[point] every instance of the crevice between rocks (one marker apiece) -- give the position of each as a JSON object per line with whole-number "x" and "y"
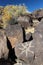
{"x": 24, "y": 39}
{"x": 24, "y": 36}
{"x": 12, "y": 57}
{"x": 31, "y": 38}
{"x": 39, "y": 19}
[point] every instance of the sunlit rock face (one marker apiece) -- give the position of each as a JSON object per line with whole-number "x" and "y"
{"x": 3, "y": 45}
{"x": 14, "y": 34}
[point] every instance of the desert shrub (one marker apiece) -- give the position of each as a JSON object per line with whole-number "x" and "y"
{"x": 11, "y": 12}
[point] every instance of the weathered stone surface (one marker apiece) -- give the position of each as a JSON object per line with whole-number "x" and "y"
{"x": 24, "y": 24}
{"x": 3, "y": 45}
{"x": 28, "y": 35}
{"x": 38, "y": 13}
{"x": 38, "y": 41}
{"x": 32, "y": 52}
{"x": 41, "y": 20}
{"x": 25, "y": 52}
{"x": 39, "y": 27}
{"x": 25, "y": 21}
{"x": 14, "y": 34}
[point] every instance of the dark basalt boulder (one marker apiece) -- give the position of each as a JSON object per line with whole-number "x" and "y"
{"x": 14, "y": 34}
{"x": 32, "y": 52}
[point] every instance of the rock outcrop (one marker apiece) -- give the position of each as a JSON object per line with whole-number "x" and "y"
{"x": 32, "y": 52}
{"x": 23, "y": 39}
{"x": 38, "y": 13}
{"x": 14, "y": 34}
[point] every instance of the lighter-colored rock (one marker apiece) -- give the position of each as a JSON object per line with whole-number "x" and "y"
{"x": 35, "y": 22}
{"x": 3, "y": 46}
{"x": 29, "y": 30}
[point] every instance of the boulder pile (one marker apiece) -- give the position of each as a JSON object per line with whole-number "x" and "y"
{"x": 23, "y": 42}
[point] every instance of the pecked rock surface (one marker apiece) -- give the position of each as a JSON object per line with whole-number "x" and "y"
{"x": 25, "y": 51}
{"x": 32, "y": 52}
